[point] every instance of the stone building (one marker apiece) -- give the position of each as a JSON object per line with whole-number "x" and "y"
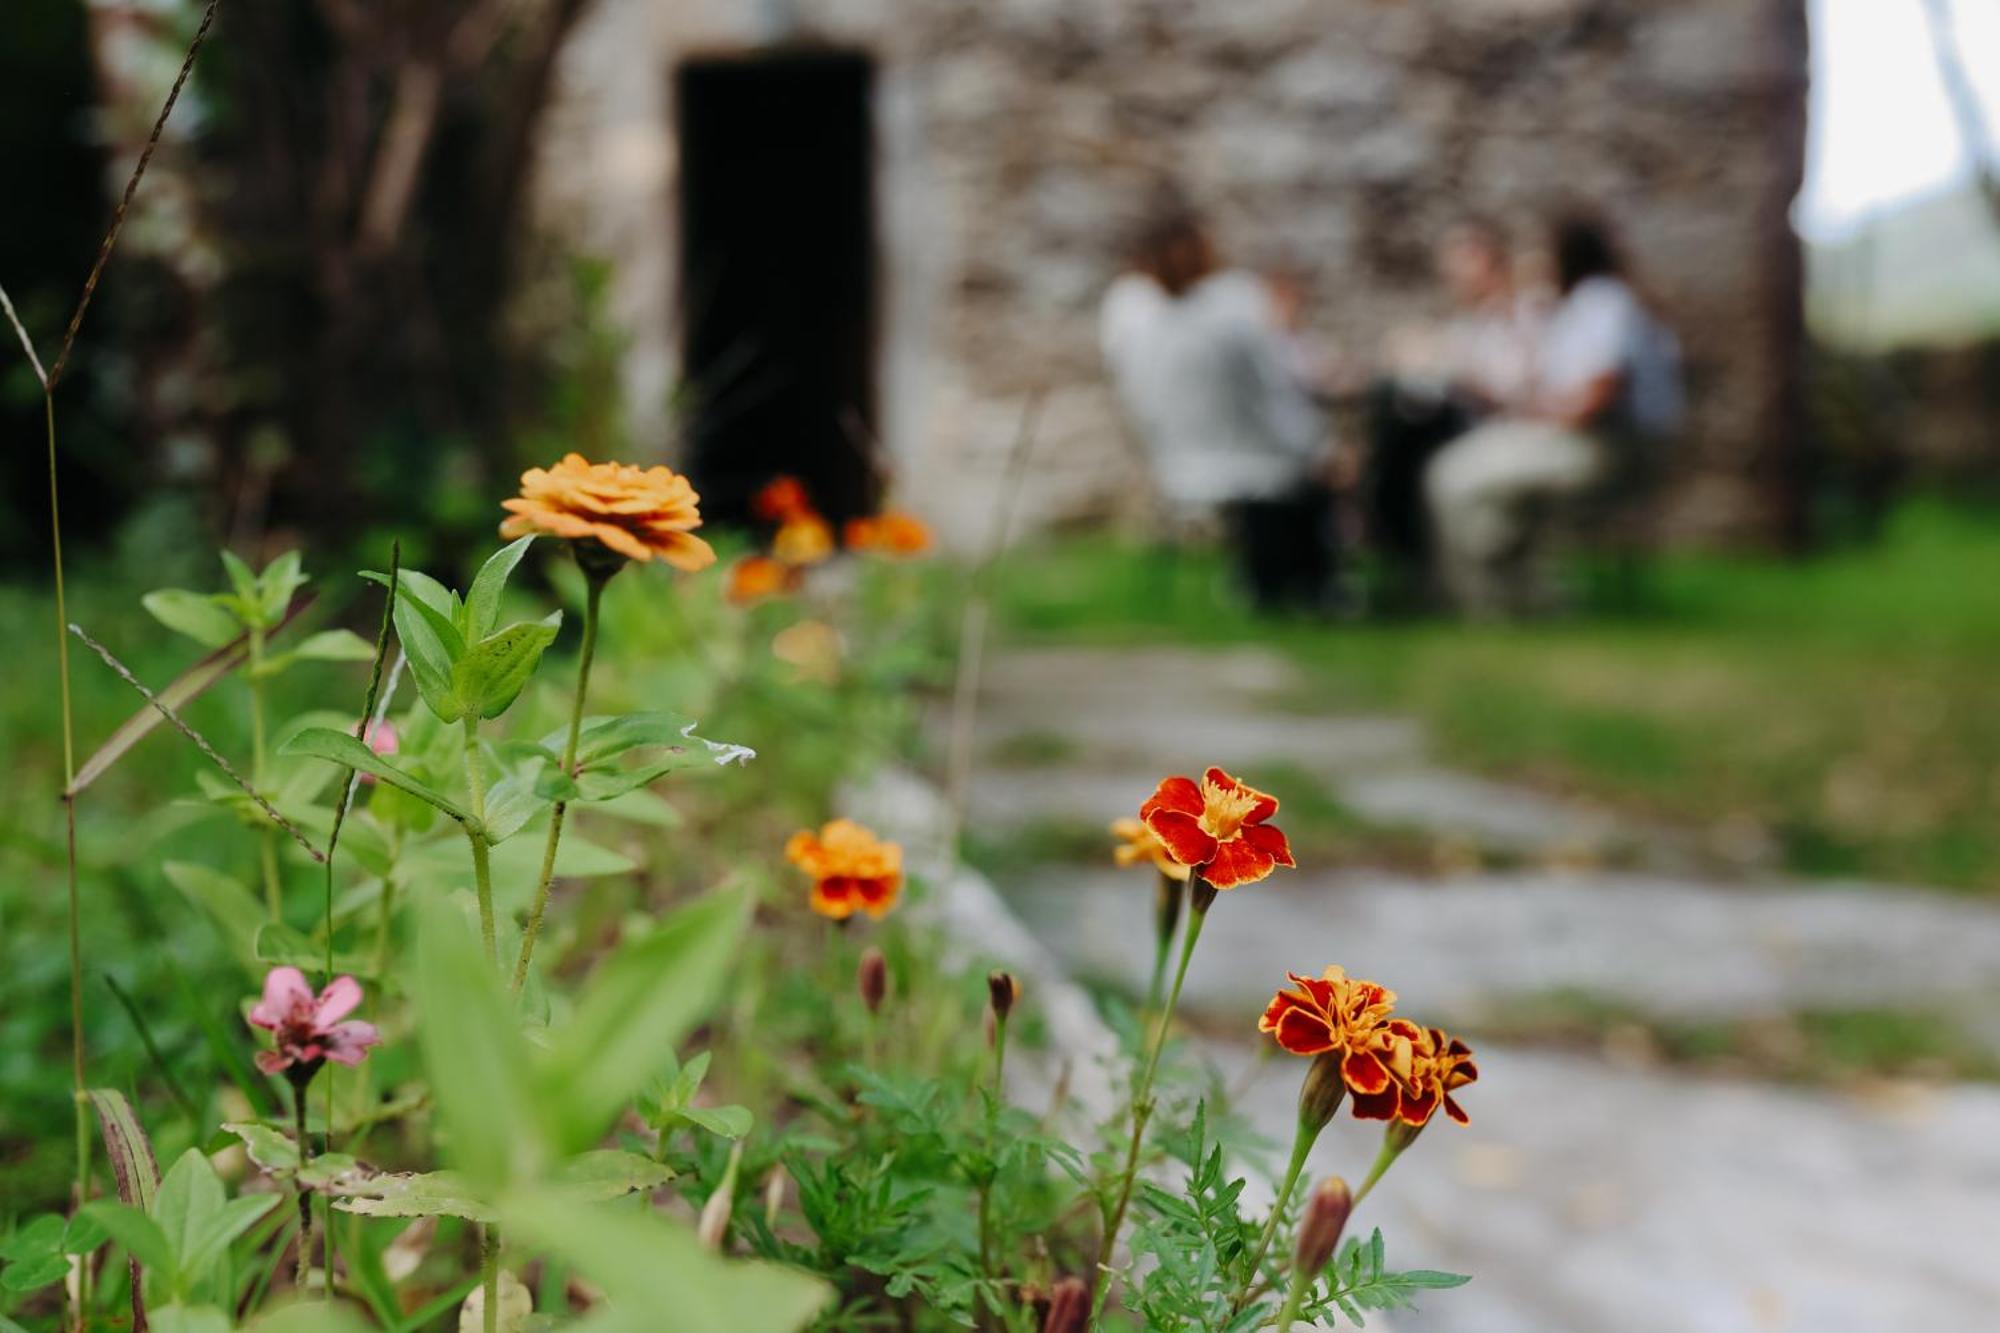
{"x": 1006, "y": 147}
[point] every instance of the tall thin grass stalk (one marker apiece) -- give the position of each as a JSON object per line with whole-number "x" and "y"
{"x": 49, "y": 380}
{"x": 585, "y": 654}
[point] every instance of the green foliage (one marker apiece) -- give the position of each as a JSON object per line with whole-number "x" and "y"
{"x": 463, "y": 663}
{"x": 1356, "y": 1281}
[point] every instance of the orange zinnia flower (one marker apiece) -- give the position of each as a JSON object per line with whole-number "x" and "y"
{"x": 851, "y": 869}
{"x": 781, "y": 499}
{"x": 756, "y": 577}
{"x": 890, "y": 532}
{"x": 804, "y": 540}
{"x": 1332, "y": 1013}
{"x": 1218, "y": 828}
{"x": 1426, "y": 1066}
{"x": 1138, "y": 843}
{"x": 637, "y": 512}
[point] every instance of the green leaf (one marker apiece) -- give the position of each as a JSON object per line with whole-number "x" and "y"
{"x": 28, "y": 1274}
{"x": 190, "y": 1199}
{"x": 234, "y": 908}
{"x": 278, "y": 943}
{"x": 731, "y": 1122}
{"x": 647, "y": 1265}
{"x": 139, "y": 1234}
{"x": 240, "y": 578}
{"x": 188, "y": 1319}
{"x": 221, "y": 1230}
{"x": 313, "y": 1316}
{"x": 126, "y": 1144}
{"x": 512, "y": 802}
{"x": 636, "y": 1008}
{"x": 414, "y": 1194}
{"x": 641, "y": 807}
{"x": 603, "y": 738}
{"x": 493, "y": 672}
{"x": 198, "y": 615}
{"x": 275, "y": 586}
{"x": 426, "y": 624}
{"x": 609, "y": 1173}
{"x": 477, "y": 1059}
{"x": 268, "y": 1147}
{"x": 36, "y": 1240}
{"x": 335, "y": 645}
{"x": 82, "y": 1236}
{"x": 482, "y": 601}
{"x": 340, "y": 748}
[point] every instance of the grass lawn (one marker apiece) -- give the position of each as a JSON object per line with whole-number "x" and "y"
{"x": 1844, "y": 707}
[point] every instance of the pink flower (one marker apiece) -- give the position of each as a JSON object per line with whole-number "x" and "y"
{"x": 381, "y": 738}
{"x": 308, "y": 1026}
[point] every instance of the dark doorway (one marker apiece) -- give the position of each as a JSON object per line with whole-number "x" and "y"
{"x": 777, "y": 234}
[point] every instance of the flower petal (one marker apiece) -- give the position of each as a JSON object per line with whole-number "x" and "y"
{"x": 336, "y": 1002}
{"x": 1175, "y": 793}
{"x": 1303, "y": 1032}
{"x": 347, "y": 1042}
{"x": 285, "y": 993}
{"x": 1183, "y": 836}
{"x": 1363, "y": 1073}
{"x": 1236, "y": 862}
{"x": 1269, "y": 841}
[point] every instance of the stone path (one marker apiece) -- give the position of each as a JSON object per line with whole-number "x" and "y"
{"x": 1588, "y": 1196}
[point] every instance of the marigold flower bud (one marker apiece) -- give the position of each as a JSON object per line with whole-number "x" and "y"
{"x": 715, "y": 1215}
{"x": 774, "y": 1196}
{"x": 1069, "y": 1307}
{"x": 872, "y": 978}
{"x": 1322, "y": 1092}
{"x": 1325, "y": 1219}
{"x": 1002, "y": 989}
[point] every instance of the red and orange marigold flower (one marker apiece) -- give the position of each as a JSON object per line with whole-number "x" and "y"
{"x": 851, "y": 869}
{"x": 781, "y": 499}
{"x": 1335, "y": 1014}
{"x": 890, "y": 532}
{"x": 756, "y": 578}
{"x": 1426, "y": 1066}
{"x": 1218, "y": 828}
{"x": 639, "y": 513}
{"x": 1138, "y": 844}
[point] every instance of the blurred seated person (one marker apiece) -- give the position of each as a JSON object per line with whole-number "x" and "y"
{"x": 1440, "y": 384}
{"x": 1202, "y": 361}
{"x": 1606, "y": 375}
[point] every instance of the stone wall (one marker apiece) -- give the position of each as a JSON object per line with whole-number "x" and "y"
{"x": 1021, "y": 138}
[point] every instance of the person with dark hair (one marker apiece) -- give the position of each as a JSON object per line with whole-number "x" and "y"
{"x": 1606, "y": 375}
{"x": 1204, "y": 366}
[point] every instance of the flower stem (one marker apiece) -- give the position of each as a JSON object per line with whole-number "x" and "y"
{"x": 77, "y": 1063}
{"x": 585, "y": 654}
{"x": 475, "y": 834}
{"x": 1302, "y": 1143}
{"x": 305, "y": 1197}
{"x": 1142, "y": 1091}
{"x": 489, "y": 1277}
{"x": 1384, "y": 1159}
{"x": 1294, "y": 1298}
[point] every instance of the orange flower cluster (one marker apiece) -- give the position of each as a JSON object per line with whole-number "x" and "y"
{"x": 890, "y": 532}
{"x": 851, "y": 869}
{"x": 1139, "y": 845}
{"x": 639, "y": 513}
{"x": 803, "y": 538}
{"x": 1395, "y": 1069}
{"x": 1217, "y": 828}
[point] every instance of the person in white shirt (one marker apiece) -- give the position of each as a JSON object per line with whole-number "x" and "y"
{"x": 1201, "y": 362}
{"x": 1438, "y": 386}
{"x": 1604, "y": 373}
